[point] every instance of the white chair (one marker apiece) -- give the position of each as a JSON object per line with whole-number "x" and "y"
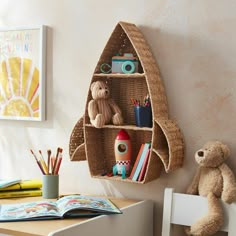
{"x": 185, "y": 209}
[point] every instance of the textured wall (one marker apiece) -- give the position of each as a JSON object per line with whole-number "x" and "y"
{"x": 194, "y": 45}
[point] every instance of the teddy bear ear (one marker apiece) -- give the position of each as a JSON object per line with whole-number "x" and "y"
{"x": 225, "y": 150}
{"x": 92, "y": 85}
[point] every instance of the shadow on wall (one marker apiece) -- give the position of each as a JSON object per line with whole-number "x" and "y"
{"x": 199, "y": 77}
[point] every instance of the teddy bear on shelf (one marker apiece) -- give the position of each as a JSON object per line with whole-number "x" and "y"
{"x": 214, "y": 180}
{"x": 102, "y": 109}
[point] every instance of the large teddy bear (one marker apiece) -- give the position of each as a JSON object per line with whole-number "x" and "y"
{"x": 213, "y": 180}
{"x": 102, "y": 109}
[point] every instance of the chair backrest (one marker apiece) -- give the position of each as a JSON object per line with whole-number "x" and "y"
{"x": 185, "y": 209}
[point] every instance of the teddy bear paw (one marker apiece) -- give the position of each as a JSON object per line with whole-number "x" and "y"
{"x": 117, "y": 119}
{"x": 187, "y": 230}
{"x": 99, "y": 121}
{"x": 229, "y": 196}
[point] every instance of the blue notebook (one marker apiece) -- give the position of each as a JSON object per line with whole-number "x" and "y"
{"x": 8, "y": 182}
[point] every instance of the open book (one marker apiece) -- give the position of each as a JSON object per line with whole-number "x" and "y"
{"x": 65, "y": 207}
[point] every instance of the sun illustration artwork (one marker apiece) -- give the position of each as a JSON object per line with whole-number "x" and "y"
{"x": 19, "y": 88}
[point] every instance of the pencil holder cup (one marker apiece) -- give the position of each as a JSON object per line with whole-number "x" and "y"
{"x": 143, "y": 116}
{"x": 50, "y": 188}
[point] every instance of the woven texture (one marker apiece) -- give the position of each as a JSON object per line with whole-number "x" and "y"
{"x": 77, "y": 145}
{"x": 97, "y": 145}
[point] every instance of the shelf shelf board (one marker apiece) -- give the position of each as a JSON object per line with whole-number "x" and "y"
{"x": 128, "y": 127}
{"x": 118, "y": 75}
{"x": 117, "y": 178}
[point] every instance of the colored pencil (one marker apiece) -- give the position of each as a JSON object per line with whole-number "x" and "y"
{"x": 58, "y": 163}
{"x": 43, "y": 162}
{"x": 55, "y": 162}
{"x": 37, "y": 161}
{"x": 49, "y": 157}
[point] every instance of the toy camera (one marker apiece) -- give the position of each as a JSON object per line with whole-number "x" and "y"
{"x": 126, "y": 64}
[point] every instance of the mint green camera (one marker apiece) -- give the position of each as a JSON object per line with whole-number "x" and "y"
{"x": 126, "y": 64}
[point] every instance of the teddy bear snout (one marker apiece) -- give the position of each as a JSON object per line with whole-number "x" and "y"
{"x": 107, "y": 93}
{"x": 200, "y": 153}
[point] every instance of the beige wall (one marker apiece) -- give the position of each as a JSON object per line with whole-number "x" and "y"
{"x": 194, "y": 45}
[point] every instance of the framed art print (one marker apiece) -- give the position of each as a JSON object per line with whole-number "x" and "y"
{"x": 22, "y": 73}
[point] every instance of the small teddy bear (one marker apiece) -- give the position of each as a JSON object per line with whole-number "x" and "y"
{"x": 214, "y": 180}
{"x": 102, "y": 109}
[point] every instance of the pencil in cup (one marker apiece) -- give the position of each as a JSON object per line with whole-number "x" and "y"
{"x": 53, "y": 162}
{"x": 56, "y": 161}
{"x": 42, "y": 161}
{"x": 38, "y": 162}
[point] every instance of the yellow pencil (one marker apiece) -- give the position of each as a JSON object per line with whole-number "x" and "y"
{"x": 43, "y": 163}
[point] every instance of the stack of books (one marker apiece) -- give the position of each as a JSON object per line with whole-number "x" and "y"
{"x": 140, "y": 165}
{"x": 20, "y": 188}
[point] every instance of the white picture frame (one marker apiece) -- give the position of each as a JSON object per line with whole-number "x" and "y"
{"x": 22, "y": 73}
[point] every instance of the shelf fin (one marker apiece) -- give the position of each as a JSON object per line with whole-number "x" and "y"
{"x": 168, "y": 135}
{"x": 77, "y": 145}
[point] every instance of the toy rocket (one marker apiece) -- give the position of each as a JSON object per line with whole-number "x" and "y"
{"x": 122, "y": 150}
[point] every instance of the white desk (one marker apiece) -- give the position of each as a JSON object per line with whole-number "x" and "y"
{"x": 137, "y": 219}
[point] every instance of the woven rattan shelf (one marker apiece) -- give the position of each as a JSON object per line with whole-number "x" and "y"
{"x": 135, "y": 75}
{"x": 128, "y": 127}
{"x": 97, "y": 145}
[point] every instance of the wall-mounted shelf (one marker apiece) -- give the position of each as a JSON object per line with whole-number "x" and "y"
{"x": 97, "y": 145}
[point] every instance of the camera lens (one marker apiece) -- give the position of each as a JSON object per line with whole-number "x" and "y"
{"x": 128, "y": 67}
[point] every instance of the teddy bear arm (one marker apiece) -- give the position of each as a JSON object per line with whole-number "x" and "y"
{"x": 229, "y": 185}
{"x": 92, "y": 109}
{"x": 193, "y": 187}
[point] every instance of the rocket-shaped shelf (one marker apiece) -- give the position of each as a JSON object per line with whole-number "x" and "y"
{"x": 97, "y": 145}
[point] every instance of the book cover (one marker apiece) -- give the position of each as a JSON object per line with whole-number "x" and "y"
{"x": 65, "y": 207}
{"x": 21, "y": 193}
{"x": 24, "y": 184}
{"x": 140, "y": 163}
{"x": 144, "y": 167}
{"x": 8, "y": 182}
{"x": 136, "y": 161}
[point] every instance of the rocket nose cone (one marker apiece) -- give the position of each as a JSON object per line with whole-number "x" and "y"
{"x": 122, "y": 135}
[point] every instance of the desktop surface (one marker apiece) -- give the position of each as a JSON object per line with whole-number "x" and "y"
{"x": 44, "y": 227}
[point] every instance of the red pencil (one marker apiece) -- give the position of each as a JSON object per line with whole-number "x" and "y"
{"x": 55, "y": 162}
{"x": 38, "y": 162}
{"x": 58, "y": 165}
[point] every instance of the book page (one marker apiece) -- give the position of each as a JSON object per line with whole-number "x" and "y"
{"x": 17, "y": 212}
{"x": 86, "y": 204}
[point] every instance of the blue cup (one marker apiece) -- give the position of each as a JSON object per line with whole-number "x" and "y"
{"x": 143, "y": 116}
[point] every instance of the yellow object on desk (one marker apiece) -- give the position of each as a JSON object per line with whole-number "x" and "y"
{"x": 21, "y": 193}
{"x": 8, "y": 182}
{"x": 24, "y": 184}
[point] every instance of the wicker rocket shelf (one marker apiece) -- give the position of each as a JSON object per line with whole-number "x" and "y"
{"x": 97, "y": 145}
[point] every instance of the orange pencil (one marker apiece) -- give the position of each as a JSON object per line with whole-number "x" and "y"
{"x": 58, "y": 164}
{"x": 55, "y": 162}
{"x": 49, "y": 156}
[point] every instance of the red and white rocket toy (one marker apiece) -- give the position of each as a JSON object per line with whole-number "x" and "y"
{"x": 122, "y": 150}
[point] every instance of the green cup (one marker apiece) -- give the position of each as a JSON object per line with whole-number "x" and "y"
{"x": 50, "y": 188}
